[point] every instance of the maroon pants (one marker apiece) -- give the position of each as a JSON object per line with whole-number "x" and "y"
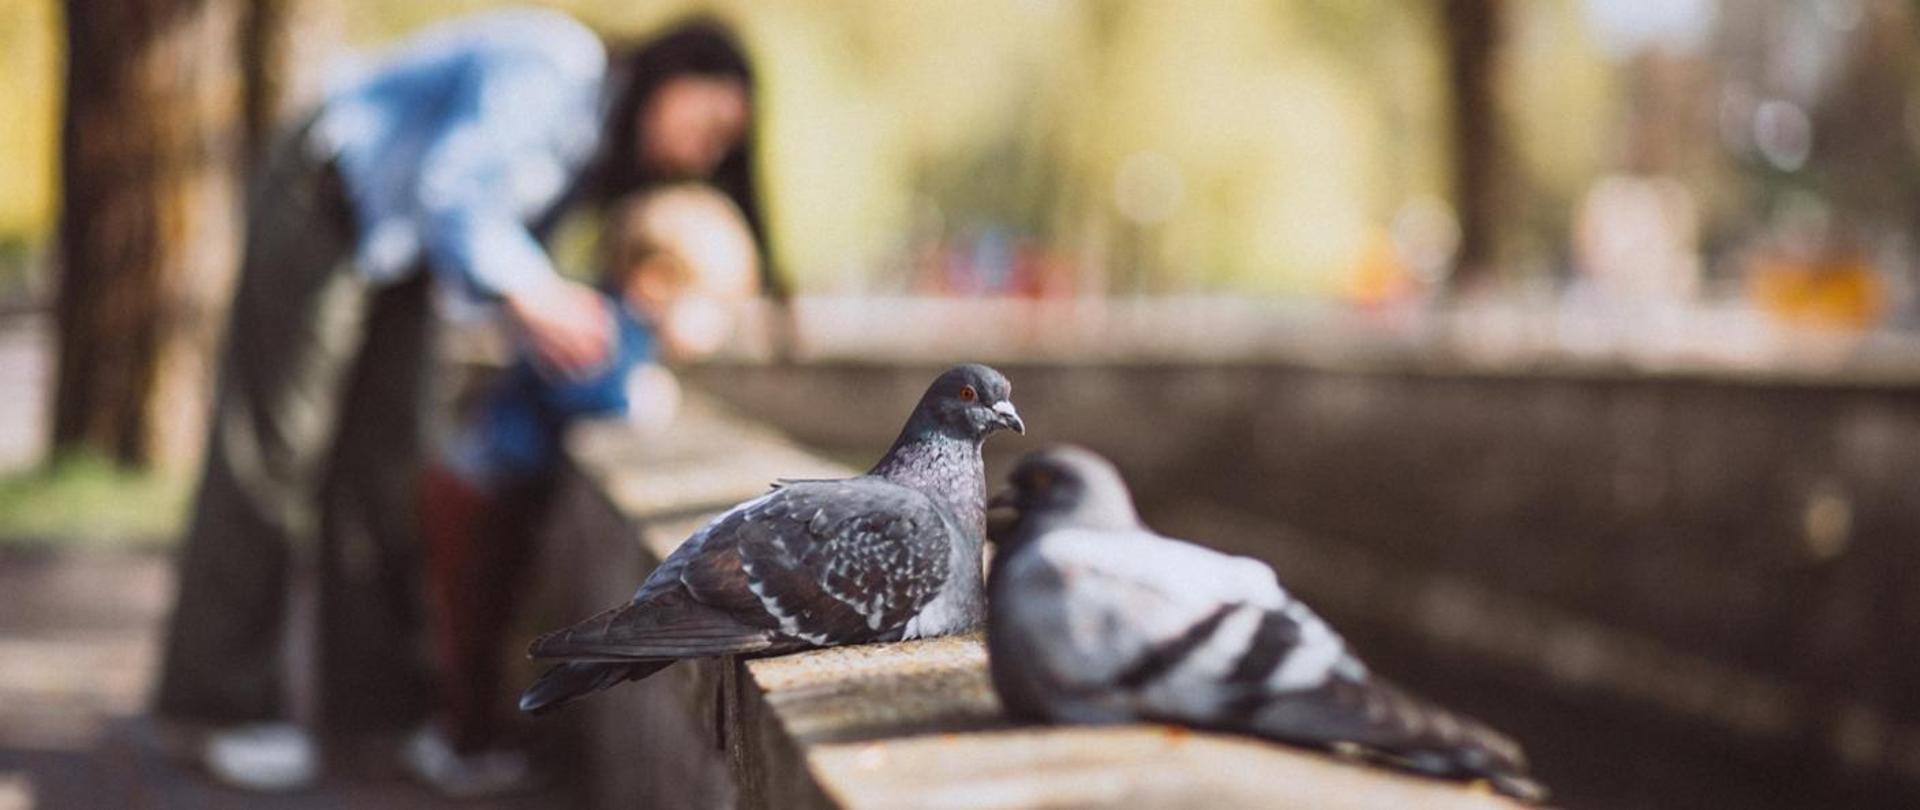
{"x": 478, "y": 546}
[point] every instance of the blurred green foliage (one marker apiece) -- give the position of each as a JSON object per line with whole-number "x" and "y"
{"x": 88, "y": 501}
{"x": 1269, "y": 143}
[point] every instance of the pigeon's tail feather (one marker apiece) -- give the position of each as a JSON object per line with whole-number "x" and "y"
{"x": 1391, "y": 724}
{"x": 568, "y": 681}
{"x": 670, "y": 627}
{"x": 1524, "y": 788}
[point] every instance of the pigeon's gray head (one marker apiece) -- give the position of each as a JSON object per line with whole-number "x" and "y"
{"x": 968, "y": 401}
{"x": 1063, "y": 487}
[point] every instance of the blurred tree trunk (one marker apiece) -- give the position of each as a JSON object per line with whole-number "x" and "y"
{"x": 264, "y": 36}
{"x": 148, "y": 223}
{"x": 281, "y": 79}
{"x": 167, "y": 102}
{"x": 1472, "y": 32}
{"x": 1861, "y": 141}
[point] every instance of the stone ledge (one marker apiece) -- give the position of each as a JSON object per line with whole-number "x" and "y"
{"x": 913, "y": 724}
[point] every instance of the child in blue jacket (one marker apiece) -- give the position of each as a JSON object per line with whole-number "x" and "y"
{"x": 680, "y": 258}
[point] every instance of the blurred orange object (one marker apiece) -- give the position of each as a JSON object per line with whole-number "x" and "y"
{"x": 1380, "y": 276}
{"x": 1837, "y": 293}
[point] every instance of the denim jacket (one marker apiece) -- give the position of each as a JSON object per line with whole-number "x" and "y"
{"x": 465, "y": 134}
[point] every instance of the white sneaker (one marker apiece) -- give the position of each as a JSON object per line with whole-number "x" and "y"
{"x": 268, "y": 757}
{"x": 429, "y": 755}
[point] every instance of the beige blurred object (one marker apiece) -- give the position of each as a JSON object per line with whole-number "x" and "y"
{"x": 696, "y": 225}
{"x": 653, "y": 398}
{"x": 683, "y": 258}
{"x": 1637, "y": 259}
{"x": 1636, "y": 239}
{"x": 699, "y": 326}
{"x": 16, "y": 792}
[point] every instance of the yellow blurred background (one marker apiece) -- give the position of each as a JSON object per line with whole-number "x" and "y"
{"x": 1300, "y": 149}
{"x": 1235, "y": 146}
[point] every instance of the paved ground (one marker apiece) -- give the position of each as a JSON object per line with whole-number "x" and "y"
{"x": 78, "y": 641}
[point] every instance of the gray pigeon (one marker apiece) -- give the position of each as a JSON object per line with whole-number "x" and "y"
{"x": 889, "y": 555}
{"x": 1094, "y": 618}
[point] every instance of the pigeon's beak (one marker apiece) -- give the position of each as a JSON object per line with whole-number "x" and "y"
{"x": 1009, "y": 418}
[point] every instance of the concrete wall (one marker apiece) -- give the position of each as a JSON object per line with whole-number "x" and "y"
{"x": 1728, "y": 557}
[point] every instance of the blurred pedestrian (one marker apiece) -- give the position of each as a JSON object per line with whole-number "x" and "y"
{"x": 298, "y": 604}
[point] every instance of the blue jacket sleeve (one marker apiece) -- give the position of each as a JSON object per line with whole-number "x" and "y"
{"x": 506, "y": 152}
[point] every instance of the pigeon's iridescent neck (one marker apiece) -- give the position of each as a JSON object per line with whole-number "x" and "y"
{"x": 947, "y": 469}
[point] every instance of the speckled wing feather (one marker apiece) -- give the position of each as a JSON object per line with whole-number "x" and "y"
{"x": 837, "y": 562}
{"x": 811, "y": 563}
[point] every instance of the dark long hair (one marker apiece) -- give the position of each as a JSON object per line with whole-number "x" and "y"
{"x": 697, "y": 47}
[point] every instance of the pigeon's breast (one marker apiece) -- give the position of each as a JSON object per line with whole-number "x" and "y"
{"x": 961, "y": 605}
{"x": 950, "y": 472}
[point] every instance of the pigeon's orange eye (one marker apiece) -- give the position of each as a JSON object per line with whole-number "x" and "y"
{"x": 967, "y": 394}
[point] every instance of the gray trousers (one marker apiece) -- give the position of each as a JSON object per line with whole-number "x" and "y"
{"x": 298, "y": 576}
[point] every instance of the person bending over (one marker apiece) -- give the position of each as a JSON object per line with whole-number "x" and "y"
{"x": 438, "y": 171}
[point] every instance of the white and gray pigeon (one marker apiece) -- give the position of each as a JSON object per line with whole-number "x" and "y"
{"x": 1094, "y": 618}
{"x": 890, "y": 555}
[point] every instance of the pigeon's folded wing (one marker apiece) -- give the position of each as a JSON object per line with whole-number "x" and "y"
{"x": 1109, "y": 609}
{"x": 833, "y": 562}
{"x": 1175, "y": 629}
{"x": 820, "y": 562}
